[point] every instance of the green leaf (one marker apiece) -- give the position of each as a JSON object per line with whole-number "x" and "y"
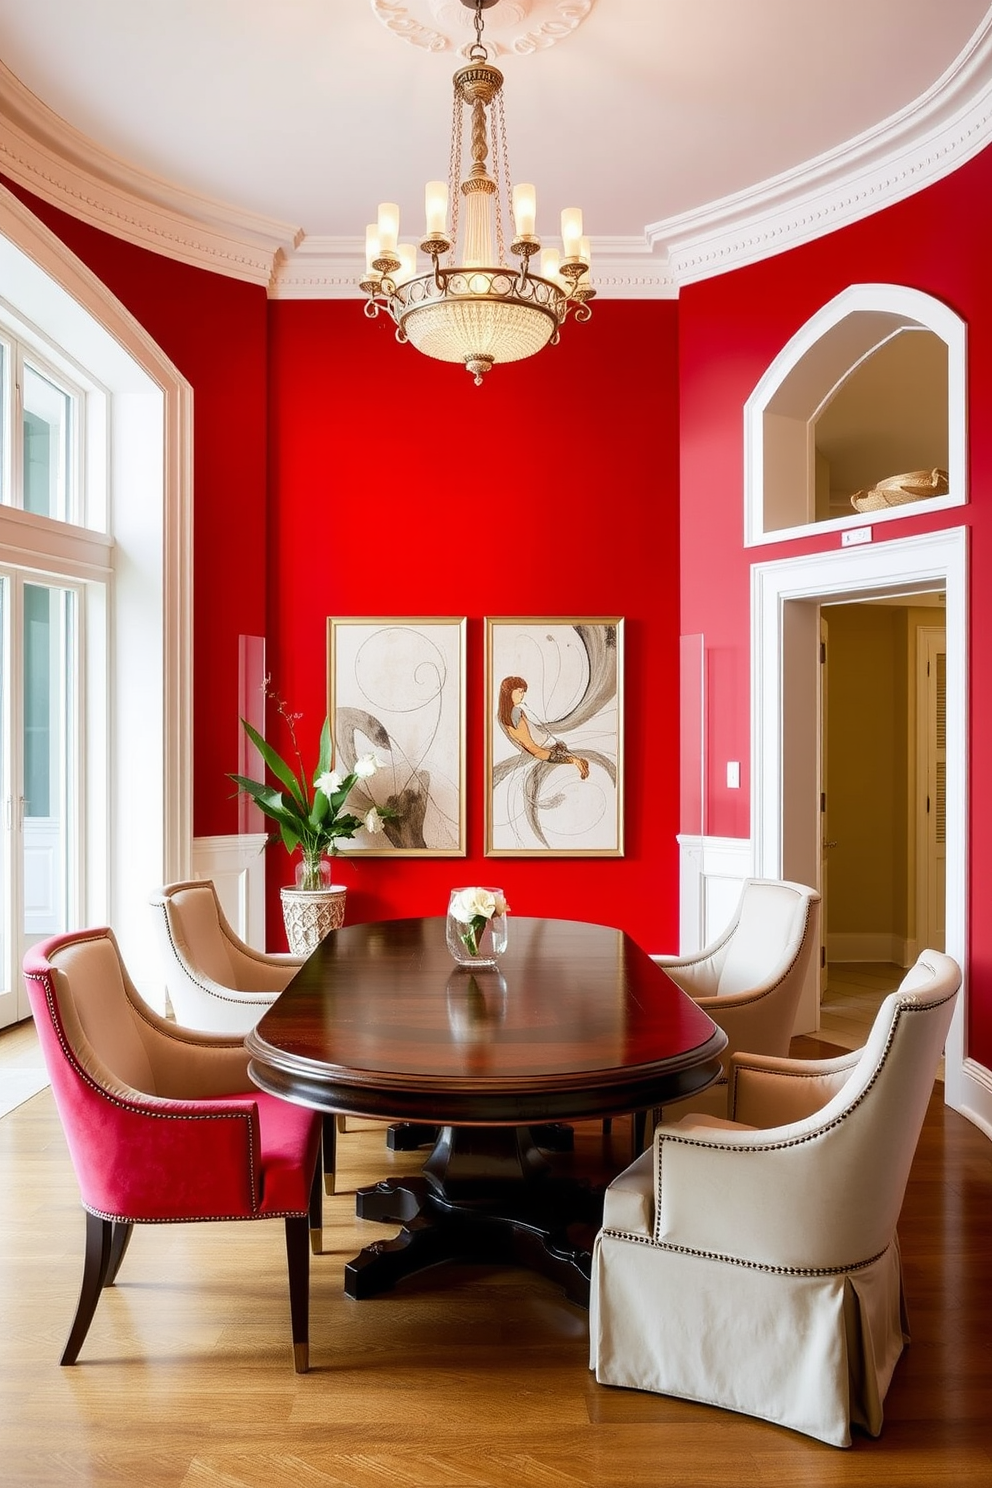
{"x": 276, "y": 763}
{"x": 326, "y": 750}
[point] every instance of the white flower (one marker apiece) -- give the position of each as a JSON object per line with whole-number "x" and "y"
{"x": 329, "y": 782}
{"x": 373, "y": 821}
{"x": 366, "y": 766}
{"x": 470, "y": 904}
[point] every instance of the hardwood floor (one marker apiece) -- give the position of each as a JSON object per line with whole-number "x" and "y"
{"x": 470, "y": 1377}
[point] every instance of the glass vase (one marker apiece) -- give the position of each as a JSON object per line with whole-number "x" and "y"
{"x": 477, "y": 942}
{"x": 314, "y": 872}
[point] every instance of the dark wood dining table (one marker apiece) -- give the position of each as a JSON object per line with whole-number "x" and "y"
{"x": 575, "y": 1022}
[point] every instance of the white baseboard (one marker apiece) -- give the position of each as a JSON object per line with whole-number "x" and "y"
{"x": 869, "y": 945}
{"x": 972, "y": 1095}
{"x": 237, "y": 866}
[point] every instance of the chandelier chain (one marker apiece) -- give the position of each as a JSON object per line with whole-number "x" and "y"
{"x": 501, "y": 163}
{"x": 455, "y": 163}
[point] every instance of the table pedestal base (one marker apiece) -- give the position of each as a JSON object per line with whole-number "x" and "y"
{"x": 486, "y": 1194}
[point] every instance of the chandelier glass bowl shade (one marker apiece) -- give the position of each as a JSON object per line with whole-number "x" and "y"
{"x": 479, "y": 310}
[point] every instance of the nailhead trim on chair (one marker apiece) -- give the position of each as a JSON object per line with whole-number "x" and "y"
{"x": 213, "y": 989}
{"x": 908, "y": 1004}
{"x": 714, "y": 1255}
{"x": 123, "y": 1105}
{"x": 741, "y": 999}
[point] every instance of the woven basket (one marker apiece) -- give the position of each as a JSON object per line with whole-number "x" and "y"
{"x": 310, "y": 914}
{"x": 900, "y": 490}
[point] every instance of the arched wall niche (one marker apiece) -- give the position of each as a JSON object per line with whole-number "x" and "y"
{"x": 871, "y": 387}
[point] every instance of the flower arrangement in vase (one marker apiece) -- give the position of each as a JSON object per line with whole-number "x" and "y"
{"x": 311, "y": 811}
{"x": 476, "y": 925}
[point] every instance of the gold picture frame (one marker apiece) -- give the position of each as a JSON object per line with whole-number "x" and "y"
{"x": 396, "y": 688}
{"x": 554, "y": 737}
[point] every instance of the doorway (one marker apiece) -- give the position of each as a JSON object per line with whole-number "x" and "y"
{"x": 881, "y": 795}
{"x": 786, "y": 600}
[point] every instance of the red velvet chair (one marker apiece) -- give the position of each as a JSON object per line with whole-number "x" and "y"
{"x": 162, "y": 1123}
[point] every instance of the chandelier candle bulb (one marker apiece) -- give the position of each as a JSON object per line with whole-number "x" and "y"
{"x": 571, "y": 232}
{"x": 551, "y": 265}
{"x": 371, "y": 247}
{"x": 407, "y": 255}
{"x": 436, "y": 208}
{"x": 525, "y": 210}
{"x": 585, "y": 252}
{"x": 389, "y": 228}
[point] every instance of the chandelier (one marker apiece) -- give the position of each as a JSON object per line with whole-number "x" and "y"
{"x": 469, "y": 311}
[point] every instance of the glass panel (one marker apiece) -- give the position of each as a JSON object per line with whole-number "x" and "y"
{"x": 47, "y": 433}
{"x": 48, "y": 707}
{"x": 7, "y": 968}
{"x": 4, "y": 414}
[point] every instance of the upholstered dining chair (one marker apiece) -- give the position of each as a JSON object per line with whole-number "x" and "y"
{"x": 163, "y": 1124}
{"x": 750, "y": 978}
{"x": 753, "y": 1263}
{"x": 217, "y": 982}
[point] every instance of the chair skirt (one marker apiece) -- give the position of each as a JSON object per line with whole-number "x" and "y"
{"x": 814, "y": 1353}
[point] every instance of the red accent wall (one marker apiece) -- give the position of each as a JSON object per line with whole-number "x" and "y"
{"x": 398, "y": 487}
{"x": 730, "y": 329}
{"x": 214, "y": 331}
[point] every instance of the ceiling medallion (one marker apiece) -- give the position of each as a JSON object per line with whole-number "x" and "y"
{"x": 522, "y": 26}
{"x": 474, "y": 308}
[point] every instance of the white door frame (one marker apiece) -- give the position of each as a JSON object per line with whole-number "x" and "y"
{"x": 785, "y": 599}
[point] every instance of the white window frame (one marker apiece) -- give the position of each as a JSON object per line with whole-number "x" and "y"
{"x": 144, "y": 613}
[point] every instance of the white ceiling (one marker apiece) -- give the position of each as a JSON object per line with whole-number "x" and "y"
{"x": 306, "y": 113}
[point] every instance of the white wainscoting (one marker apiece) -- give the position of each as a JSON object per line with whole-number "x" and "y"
{"x": 711, "y": 870}
{"x": 237, "y": 866}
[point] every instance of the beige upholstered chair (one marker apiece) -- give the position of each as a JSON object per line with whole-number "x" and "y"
{"x": 750, "y": 979}
{"x": 754, "y": 1264}
{"x": 163, "y": 1124}
{"x": 216, "y": 983}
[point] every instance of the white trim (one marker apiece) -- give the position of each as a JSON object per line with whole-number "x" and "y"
{"x": 922, "y": 143}
{"x": 911, "y": 565}
{"x": 149, "y": 722}
{"x": 237, "y": 866}
{"x": 870, "y": 945}
{"x": 891, "y": 299}
{"x": 711, "y": 871}
{"x": 44, "y": 153}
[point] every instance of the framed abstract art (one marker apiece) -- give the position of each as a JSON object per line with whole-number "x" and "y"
{"x": 396, "y": 688}
{"x": 554, "y": 737}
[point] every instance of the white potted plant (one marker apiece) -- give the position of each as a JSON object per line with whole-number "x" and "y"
{"x": 311, "y": 814}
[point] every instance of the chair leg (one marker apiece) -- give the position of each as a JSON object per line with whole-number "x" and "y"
{"x": 119, "y": 1243}
{"x": 298, "y": 1256}
{"x": 316, "y": 1219}
{"x": 330, "y": 1129}
{"x": 99, "y": 1243}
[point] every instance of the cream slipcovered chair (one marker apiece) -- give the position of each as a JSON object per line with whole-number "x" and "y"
{"x": 217, "y": 983}
{"x": 750, "y": 979}
{"x": 753, "y": 1264}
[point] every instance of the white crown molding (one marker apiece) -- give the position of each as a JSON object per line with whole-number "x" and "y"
{"x": 933, "y": 136}
{"x": 330, "y": 269}
{"x": 922, "y": 143}
{"x": 43, "y": 153}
